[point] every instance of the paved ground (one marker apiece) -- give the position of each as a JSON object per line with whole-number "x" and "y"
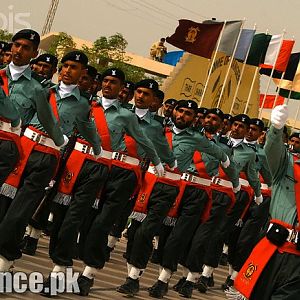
{"x": 109, "y": 278}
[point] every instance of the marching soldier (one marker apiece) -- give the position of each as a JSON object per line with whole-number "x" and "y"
{"x": 127, "y": 92}
{"x": 157, "y": 195}
{"x": 166, "y": 111}
{"x": 41, "y": 155}
{"x": 272, "y": 269}
{"x": 7, "y": 55}
{"x": 45, "y": 65}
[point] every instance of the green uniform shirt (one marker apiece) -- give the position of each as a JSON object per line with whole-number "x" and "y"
{"x": 262, "y": 164}
{"x": 120, "y": 121}
{"x": 281, "y": 164}
{"x": 8, "y": 110}
{"x": 244, "y": 158}
{"x": 190, "y": 140}
{"x": 29, "y": 97}
{"x": 74, "y": 111}
{"x": 154, "y": 131}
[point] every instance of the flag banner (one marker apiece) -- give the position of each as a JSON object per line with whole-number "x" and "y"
{"x": 258, "y": 49}
{"x": 273, "y": 50}
{"x": 196, "y": 38}
{"x": 290, "y": 70}
{"x": 293, "y": 85}
{"x": 244, "y": 44}
{"x": 289, "y": 94}
{"x": 269, "y": 101}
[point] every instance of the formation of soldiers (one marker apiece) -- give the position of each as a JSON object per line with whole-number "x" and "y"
{"x": 195, "y": 183}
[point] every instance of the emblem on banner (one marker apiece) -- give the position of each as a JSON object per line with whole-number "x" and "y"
{"x": 250, "y": 271}
{"x": 68, "y": 177}
{"x": 192, "y": 34}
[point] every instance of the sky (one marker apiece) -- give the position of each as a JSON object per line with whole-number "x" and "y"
{"x": 143, "y": 22}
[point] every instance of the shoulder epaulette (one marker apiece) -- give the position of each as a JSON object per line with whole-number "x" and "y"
{"x": 42, "y": 80}
{"x": 253, "y": 147}
{"x": 226, "y": 141}
{"x": 128, "y": 106}
{"x": 159, "y": 119}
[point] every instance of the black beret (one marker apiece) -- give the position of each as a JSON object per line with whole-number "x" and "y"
{"x": 92, "y": 71}
{"x": 2, "y": 44}
{"x": 266, "y": 128}
{"x": 242, "y": 118}
{"x": 295, "y": 134}
{"x": 32, "y": 61}
{"x": 202, "y": 110}
{"x": 187, "y": 104}
{"x": 160, "y": 95}
{"x": 257, "y": 122}
{"x": 129, "y": 85}
{"x": 171, "y": 101}
{"x": 114, "y": 72}
{"x": 47, "y": 58}
{"x": 77, "y": 56}
{"x": 98, "y": 77}
{"x": 27, "y": 34}
{"x": 228, "y": 117}
{"x": 7, "y": 47}
{"x": 216, "y": 111}
{"x": 147, "y": 83}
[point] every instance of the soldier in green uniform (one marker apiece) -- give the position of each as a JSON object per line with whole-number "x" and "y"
{"x": 7, "y": 54}
{"x": 277, "y": 256}
{"x": 71, "y": 110}
{"x": 45, "y": 65}
{"x": 127, "y": 92}
{"x": 185, "y": 141}
{"x": 2, "y": 45}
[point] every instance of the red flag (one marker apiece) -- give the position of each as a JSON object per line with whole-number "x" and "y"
{"x": 196, "y": 38}
{"x": 269, "y": 101}
{"x": 283, "y": 56}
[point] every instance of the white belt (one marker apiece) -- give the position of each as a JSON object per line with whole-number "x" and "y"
{"x": 293, "y": 234}
{"x": 195, "y": 179}
{"x": 244, "y": 182}
{"x": 125, "y": 158}
{"x": 6, "y": 126}
{"x": 264, "y": 186}
{"x": 168, "y": 175}
{"x": 222, "y": 182}
{"x": 86, "y": 149}
{"x": 40, "y": 139}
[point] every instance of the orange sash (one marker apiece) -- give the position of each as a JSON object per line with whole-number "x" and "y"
{"x": 250, "y": 193}
{"x": 5, "y": 81}
{"x": 257, "y": 261}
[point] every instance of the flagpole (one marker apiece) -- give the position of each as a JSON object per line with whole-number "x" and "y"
{"x": 241, "y": 75}
{"x": 212, "y": 64}
{"x": 272, "y": 72}
{"x": 297, "y": 113}
{"x": 230, "y": 63}
{"x": 251, "y": 89}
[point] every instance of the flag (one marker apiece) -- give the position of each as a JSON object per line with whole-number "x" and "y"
{"x": 289, "y": 94}
{"x": 244, "y": 44}
{"x": 196, "y": 38}
{"x": 290, "y": 70}
{"x": 282, "y": 58}
{"x": 273, "y": 50}
{"x": 269, "y": 101}
{"x": 258, "y": 49}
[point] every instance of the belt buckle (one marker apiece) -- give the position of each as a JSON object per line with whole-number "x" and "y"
{"x": 193, "y": 179}
{"x": 119, "y": 156}
{"x": 186, "y": 177}
{"x": 1, "y": 124}
{"x": 36, "y": 137}
{"x": 85, "y": 149}
{"x": 216, "y": 180}
{"x": 293, "y": 236}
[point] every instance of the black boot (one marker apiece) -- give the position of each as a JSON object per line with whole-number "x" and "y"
{"x": 158, "y": 290}
{"x": 203, "y": 284}
{"x": 51, "y": 285}
{"x": 227, "y": 284}
{"x": 131, "y": 287}
{"x": 85, "y": 284}
{"x": 211, "y": 282}
{"x": 186, "y": 289}
{"x": 179, "y": 284}
{"x": 30, "y": 246}
{"x": 154, "y": 258}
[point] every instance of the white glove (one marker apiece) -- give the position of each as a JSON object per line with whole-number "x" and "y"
{"x": 66, "y": 141}
{"x": 258, "y": 200}
{"x": 17, "y": 128}
{"x": 159, "y": 170}
{"x": 175, "y": 165}
{"x": 279, "y": 116}
{"x": 50, "y": 185}
{"x": 225, "y": 163}
{"x": 98, "y": 155}
{"x": 237, "y": 189}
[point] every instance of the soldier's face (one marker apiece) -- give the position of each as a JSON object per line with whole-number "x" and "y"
{"x": 85, "y": 83}
{"x": 44, "y": 69}
{"x": 183, "y": 117}
{"x": 238, "y": 130}
{"x": 143, "y": 97}
{"x": 125, "y": 95}
{"x": 226, "y": 126}
{"x": 22, "y": 52}
{"x": 294, "y": 142}
{"x": 111, "y": 87}
{"x": 168, "y": 109}
{"x": 71, "y": 72}
{"x": 212, "y": 123}
{"x": 7, "y": 57}
{"x": 254, "y": 133}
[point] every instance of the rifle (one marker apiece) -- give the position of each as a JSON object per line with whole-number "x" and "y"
{"x": 41, "y": 213}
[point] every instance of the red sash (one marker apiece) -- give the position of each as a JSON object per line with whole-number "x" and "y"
{"x": 8, "y": 136}
{"x": 77, "y": 158}
{"x": 250, "y": 193}
{"x": 257, "y": 261}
